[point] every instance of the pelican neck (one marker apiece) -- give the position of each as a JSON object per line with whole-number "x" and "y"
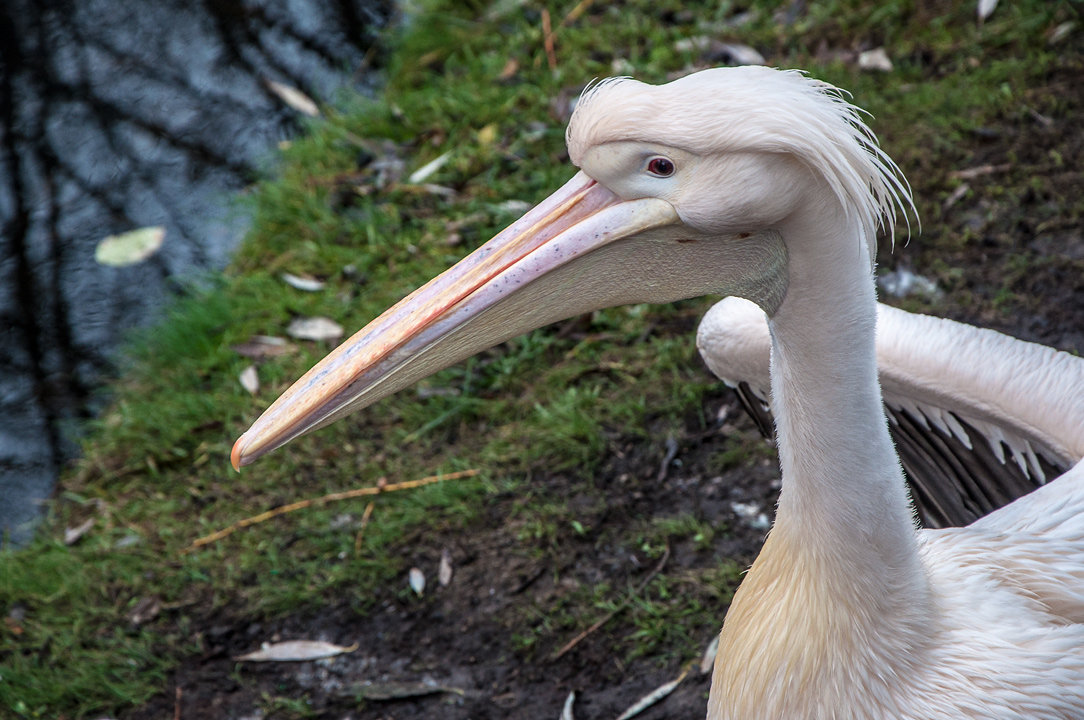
{"x": 843, "y": 489}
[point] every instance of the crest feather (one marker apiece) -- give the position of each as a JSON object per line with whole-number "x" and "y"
{"x": 754, "y": 109}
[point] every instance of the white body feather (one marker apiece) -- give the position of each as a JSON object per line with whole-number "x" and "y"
{"x": 1020, "y": 395}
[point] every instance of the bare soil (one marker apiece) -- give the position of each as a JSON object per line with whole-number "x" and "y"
{"x": 1020, "y": 272}
{"x": 461, "y": 636}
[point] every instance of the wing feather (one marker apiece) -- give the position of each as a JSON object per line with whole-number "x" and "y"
{"x": 979, "y": 418}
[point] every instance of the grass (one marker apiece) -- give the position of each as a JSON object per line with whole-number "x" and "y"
{"x": 154, "y": 472}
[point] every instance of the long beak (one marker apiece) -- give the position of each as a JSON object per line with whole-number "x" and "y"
{"x": 519, "y": 280}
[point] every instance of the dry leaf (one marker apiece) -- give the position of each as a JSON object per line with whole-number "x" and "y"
{"x": 441, "y": 190}
{"x": 314, "y": 328}
{"x": 487, "y": 135}
{"x": 752, "y": 514}
{"x": 302, "y": 283}
{"x": 707, "y": 662}
{"x": 513, "y": 207}
{"x": 296, "y": 651}
{"x": 145, "y": 610}
{"x": 444, "y": 574}
{"x": 72, "y": 535}
{"x": 901, "y": 282}
{"x": 294, "y": 98}
{"x": 261, "y": 346}
{"x": 697, "y": 42}
{"x": 986, "y": 9}
{"x": 566, "y": 712}
{"x": 737, "y": 54}
{"x": 652, "y": 697}
{"x": 508, "y": 70}
{"x": 956, "y": 196}
{"x": 131, "y": 247}
{"x": 250, "y": 380}
{"x": 1060, "y": 32}
{"x": 416, "y": 579}
{"x": 973, "y": 172}
{"x": 876, "y": 60}
{"x": 422, "y": 174}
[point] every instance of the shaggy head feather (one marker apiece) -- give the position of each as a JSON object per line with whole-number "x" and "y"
{"x": 752, "y": 109}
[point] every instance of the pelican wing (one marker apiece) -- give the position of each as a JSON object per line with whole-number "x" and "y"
{"x": 979, "y": 418}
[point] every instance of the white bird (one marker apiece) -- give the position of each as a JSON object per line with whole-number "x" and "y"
{"x": 978, "y": 418}
{"x": 766, "y": 185}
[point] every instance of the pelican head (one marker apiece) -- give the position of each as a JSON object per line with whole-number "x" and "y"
{"x": 684, "y": 189}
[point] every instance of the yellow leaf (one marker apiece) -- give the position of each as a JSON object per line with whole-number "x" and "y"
{"x": 131, "y": 247}
{"x": 487, "y": 135}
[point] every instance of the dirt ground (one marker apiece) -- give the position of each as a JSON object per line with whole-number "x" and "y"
{"x": 458, "y": 637}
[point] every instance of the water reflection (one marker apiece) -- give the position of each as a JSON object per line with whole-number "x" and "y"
{"x": 117, "y": 114}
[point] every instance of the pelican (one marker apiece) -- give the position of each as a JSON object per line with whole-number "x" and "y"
{"x": 766, "y": 185}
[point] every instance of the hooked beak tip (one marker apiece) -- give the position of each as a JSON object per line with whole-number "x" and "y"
{"x": 235, "y": 454}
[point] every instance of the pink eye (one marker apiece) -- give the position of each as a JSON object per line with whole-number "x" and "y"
{"x": 660, "y": 167}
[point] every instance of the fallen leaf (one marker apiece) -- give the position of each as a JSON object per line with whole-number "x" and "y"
{"x": 145, "y": 610}
{"x": 1060, "y": 32}
{"x": 261, "y": 346}
{"x": 973, "y": 172}
{"x": 956, "y": 196}
{"x": 508, "y": 70}
{"x": 752, "y": 514}
{"x": 696, "y": 42}
{"x": 652, "y": 697}
{"x": 441, "y": 190}
{"x": 250, "y": 380}
{"x": 487, "y": 135}
{"x": 131, "y": 247}
{"x": 314, "y": 328}
{"x": 986, "y": 8}
{"x": 302, "y": 283}
{"x": 295, "y": 651}
{"x": 444, "y": 574}
{"x": 513, "y": 207}
{"x": 876, "y": 60}
{"x": 736, "y": 54}
{"x": 294, "y": 98}
{"x": 566, "y": 712}
{"x": 425, "y": 171}
{"x": 72, "y": 535}
{"x": 129, "y": 540}
{"x": 901, "y": 282}
{"x": 416, "y": 578}
{"x": 707, "y": 662}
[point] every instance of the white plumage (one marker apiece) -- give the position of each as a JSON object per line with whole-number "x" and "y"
{"x": 765, "y": 184}
{"x": 1017, "y": 406}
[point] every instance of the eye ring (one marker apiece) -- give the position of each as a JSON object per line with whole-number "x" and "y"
{"x": 662, "y": 167}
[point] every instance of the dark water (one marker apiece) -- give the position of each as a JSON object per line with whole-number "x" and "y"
{"x": 114, "y": 115}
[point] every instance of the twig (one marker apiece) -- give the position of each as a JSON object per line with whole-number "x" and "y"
{"x": 381, "y": 487}
{"x": 671, "y": 453}
{"x": 177, "y": 703}
{"x": 974, "y": 172}
{"x": 574, "y": 14}
{"x": 609, "y": 616}
{"x": 364, "y": 521}
{"x": 547, "y": 39}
